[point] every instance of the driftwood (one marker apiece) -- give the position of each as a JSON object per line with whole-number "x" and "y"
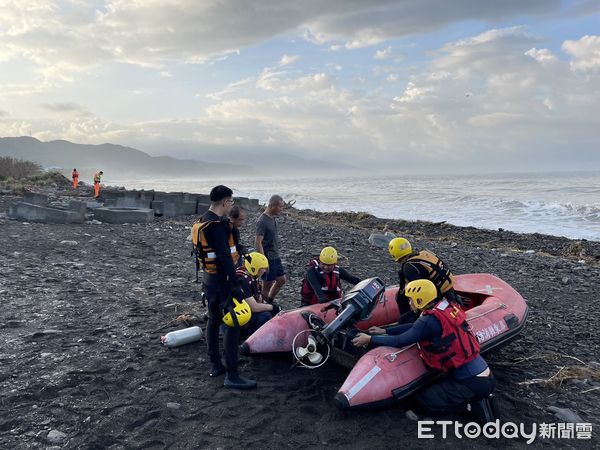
{"x": 187, "y": 319}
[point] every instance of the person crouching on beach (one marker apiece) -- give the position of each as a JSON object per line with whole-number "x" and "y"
{"x": 267, "y": 243}
{"x": 445, "y": 343}
{"x": 254, "y": 267}
{"x": 323, "y": 278}
{"x": 218, "y": 256}
{"x": 418, "y": 265}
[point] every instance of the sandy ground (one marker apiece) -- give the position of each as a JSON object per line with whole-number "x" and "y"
{"x": 83, "y": 307}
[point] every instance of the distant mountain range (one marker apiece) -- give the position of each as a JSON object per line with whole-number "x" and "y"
{"x": 119, "y": 161}
{"x": 127, "y": 162}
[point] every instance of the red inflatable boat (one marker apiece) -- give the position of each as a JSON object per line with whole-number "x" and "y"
{"x": 495, "y": 311}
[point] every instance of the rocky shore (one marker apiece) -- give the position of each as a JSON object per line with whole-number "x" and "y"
{"x": 84, "y": 306}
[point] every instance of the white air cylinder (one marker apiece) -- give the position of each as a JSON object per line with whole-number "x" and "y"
{"x": 181, "y": 337}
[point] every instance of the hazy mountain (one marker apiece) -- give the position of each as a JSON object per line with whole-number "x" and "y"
{"x": 268, "y": 160}
{"x": 116, "y": 160}
{"x": 127, "y": 162}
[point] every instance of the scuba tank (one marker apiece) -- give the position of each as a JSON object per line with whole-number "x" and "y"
{"x": 181, "y": 337}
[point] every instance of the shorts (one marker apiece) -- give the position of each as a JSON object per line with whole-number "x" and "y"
{"x": 275, "y": 270}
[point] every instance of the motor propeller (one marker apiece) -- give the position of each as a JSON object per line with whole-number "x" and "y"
{"x": 314, "y": 354}
{"x": 310, "y": 352}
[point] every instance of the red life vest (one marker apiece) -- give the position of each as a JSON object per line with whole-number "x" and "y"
{"x": 456, "y": 346}
{"x": 331, "y": 285}
{"x": 254, "y": 283}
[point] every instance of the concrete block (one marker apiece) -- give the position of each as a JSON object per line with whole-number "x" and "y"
{"x": 124, "y": 215}
{"x": 169, "y": 196}
{"x": 93, "y": 204}
{"x": 78, "y": 206}
{"x": 172, "y": 209}
{"x": 132, "y": 200}
{"x": 34, "y": 198}
{"x": 109, "y": 194}
{"x": 147, "y": 195}
{"x": 201, "y": 208}
{"x": 158, "y": 206}
{"x": 189, "y": 208}
{"x": 44, "y": 214}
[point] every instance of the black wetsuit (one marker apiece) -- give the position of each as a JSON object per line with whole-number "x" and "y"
{"x": 219, "y": 289}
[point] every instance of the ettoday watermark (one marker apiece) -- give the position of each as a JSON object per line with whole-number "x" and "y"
{"x": 429, "y": 429}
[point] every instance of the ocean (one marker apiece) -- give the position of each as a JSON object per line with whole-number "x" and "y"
{"x": 560, "y": 204}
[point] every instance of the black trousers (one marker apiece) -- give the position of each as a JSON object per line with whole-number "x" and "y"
{"x": 217, "y": 299}
{"x": 451, "y": 394}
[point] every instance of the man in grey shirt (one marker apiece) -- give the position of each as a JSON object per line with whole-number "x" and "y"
{"x": 267, "y": 243}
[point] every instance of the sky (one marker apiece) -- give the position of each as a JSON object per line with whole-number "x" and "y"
{"x": 403, "y": 86}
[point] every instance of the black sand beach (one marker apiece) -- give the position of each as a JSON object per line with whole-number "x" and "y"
{"x": 83, "y": 307}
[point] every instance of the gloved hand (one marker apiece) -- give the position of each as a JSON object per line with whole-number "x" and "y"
{"x": 276, "y": 309}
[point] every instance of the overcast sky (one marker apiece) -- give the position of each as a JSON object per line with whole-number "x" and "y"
{"x": 424, "y": 85}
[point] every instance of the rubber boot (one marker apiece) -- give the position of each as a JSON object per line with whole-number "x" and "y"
{"x": 235, "y": 381}
{"x": 484, "y": 409}
{"x": 216, "y": 369}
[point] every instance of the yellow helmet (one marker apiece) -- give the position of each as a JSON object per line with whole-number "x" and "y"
{"x": 328, "y": 256}
{"x": 255, "y": 261}
{"x": 421, "y": 293}
{"x": 242, "y": 311}
{"x": 399, "y": 248}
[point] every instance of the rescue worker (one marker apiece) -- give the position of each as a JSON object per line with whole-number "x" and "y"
{"x": 445, "y": 343}
{"x": 323, "y": 278}
{"x": 254, "y": 267}
{"x": 267, "y": 243}
{"x": 97, "y": 180}
{"x": 75, "y": 177}
{"x": 417, "y": 265}
{"x": 237, "y": 216}
{"x": 219, "y": 255}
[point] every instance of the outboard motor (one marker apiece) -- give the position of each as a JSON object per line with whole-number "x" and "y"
{"x": 355, "y": 306}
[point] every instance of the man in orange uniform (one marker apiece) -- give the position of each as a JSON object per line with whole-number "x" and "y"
{"x": 75, "y": 176}
{"x": 97, "y": 179}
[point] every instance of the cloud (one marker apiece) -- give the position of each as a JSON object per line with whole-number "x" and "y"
{"x": 288, "y": 59}
{"x": 66, "y": 107}
{"x": 488, "y": 99}
{"x": 64, "y": 38}
{"x": 543, "y": 55}
{"x": 585, "y": 52}
{"x": 270, "y": 80}
{"x": 383, "y": 54}
{"x": 229, "y": 89}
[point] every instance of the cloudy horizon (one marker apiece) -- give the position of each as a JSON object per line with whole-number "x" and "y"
{"x": 424, "y": 85}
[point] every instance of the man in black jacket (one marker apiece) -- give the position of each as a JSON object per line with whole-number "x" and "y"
{"x": 219, "y": 256}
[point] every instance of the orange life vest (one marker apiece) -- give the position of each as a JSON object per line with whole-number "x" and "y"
{"x": 439, "y": 274}
{"x": 206, "y": 255}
